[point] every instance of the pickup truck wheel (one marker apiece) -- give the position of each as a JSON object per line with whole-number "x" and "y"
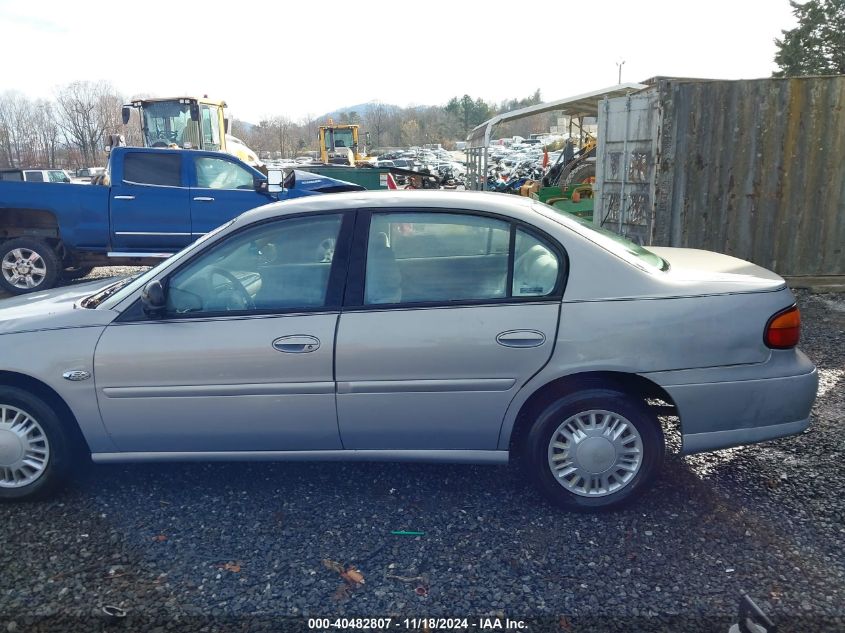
{"x": 76, "y": 272}
{"x": 35, "y": 449}
{"x": 595, "y": 449}
{"x": 27, "y": 265}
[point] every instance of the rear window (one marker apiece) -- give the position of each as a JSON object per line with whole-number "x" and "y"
{"x": 33, "y": 176}
{"x": 608, "y": 240}
{"x": 152, "y": 169}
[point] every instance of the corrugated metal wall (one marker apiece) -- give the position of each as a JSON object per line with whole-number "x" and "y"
{"x": 755, "y": 169}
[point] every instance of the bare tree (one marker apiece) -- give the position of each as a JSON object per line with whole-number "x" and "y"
{"x": 46, "y": 134}
{"x": 14, "y": 115}
{"x": 88, "y": 110}
{"x": 375, "y": 120}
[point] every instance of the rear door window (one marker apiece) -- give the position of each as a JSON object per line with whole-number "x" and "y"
{"x": 33, "y": 176}
{"x": 440, "y": 257}
{"x": 425, "y": 257}
{"x": 161, "y": 169}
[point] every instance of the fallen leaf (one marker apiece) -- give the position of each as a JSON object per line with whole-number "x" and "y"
{"x": 341, "y": 594}
{"x": 353, "y": 576}
{"x": 333, "y": 565}
{"x": 233, "y": 567}
{"x": 160, "y": 538}
{"x": 563, "y": 624}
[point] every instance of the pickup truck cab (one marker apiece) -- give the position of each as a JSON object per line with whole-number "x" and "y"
{"x": 152, "y": 203}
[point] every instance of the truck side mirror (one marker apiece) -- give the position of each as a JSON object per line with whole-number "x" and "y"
{"x": 125, "y": 113}
{"x": 153, "y": 299}
{"x": 275, "y": 178}
{"x": 226, "y": 125}
{"x": 195, "y": 112}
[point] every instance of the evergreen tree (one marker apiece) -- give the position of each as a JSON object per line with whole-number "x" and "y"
{"x": 817, "y": 45}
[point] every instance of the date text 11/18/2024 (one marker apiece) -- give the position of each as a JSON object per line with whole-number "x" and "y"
{"x": 443, "y": 624}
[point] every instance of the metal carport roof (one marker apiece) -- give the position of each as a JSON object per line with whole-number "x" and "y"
{"x": 586, "y": 104}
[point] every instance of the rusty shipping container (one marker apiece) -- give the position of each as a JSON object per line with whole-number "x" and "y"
{"x": 751, "y": 168}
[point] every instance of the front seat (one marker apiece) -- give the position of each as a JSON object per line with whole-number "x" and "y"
{"x": 384, "y": 279}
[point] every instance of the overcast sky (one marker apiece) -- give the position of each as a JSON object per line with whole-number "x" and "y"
{"x": 314, "y": 56}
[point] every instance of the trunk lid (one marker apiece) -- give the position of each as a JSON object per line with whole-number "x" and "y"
{"x": 714, "y": 272}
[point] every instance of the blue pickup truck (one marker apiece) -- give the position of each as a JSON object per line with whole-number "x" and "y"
{"x": 153, "y": 203}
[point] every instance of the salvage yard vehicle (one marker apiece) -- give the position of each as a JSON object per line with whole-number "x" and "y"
{"x": 188, "y": 123}
{"x": 412, "y": 326}
{"x": 34, "y": 175}
{"x": 159, "y": 201}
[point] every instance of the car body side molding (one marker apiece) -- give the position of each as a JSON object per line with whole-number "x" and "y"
{"x": 431, "y": 456}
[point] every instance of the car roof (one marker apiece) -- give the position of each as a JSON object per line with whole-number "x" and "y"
{"x": 515, "y": 206}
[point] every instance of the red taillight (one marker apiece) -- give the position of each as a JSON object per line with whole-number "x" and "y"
{"x": 784, "y": 329}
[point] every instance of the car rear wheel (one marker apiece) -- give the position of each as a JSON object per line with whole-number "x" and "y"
{"x": 595, "y": 449}
{"x": 27, "y": 265}
{"x": 34, "y": 446}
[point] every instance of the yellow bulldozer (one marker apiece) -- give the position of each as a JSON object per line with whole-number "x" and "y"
{"x": 339, "y": 144}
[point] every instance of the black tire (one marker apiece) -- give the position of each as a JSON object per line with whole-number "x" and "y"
{"x": 59, "y": 442}
{"x": 76, "y": 272}
{"x": 46, "y": 254}
{"x": 581, "y": 173}
{"x": 536, "y": 449}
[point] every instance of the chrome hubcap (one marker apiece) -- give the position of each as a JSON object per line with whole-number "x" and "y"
{"x": 24, "y": 450}
{"x": 24, "y": 268}
{"x": 595, "y": 453}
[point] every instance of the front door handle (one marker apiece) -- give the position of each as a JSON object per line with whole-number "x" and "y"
{"x": 521, "y": 338}
{"x": 124, "y": 197}
{"x": 297, "y": 344}
{"x": 203, "y": 199}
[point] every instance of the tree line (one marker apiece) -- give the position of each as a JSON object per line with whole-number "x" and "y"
{"x": 391, "y": 126}
{"x": 69, "y": 130}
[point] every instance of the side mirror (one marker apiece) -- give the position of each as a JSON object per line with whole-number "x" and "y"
{"x": 195, "y": 112}
{"x": 275, "y": 178}
{"x": 153, "y": 299}
{"x": 125, "y": 113}
{"x": 226, "y": 125}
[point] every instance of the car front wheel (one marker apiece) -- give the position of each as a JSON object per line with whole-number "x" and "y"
{"x": 595, "y": 449}
{"x": 34, "y": 446}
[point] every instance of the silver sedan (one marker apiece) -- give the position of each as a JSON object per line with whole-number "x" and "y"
{"x": 419, "y": 326}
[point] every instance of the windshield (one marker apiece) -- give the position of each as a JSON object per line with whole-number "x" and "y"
{"x": 608, "y": 240}
{"x": 342, "y": 138}
{"x": 125, "y": 287}
{"x": 168, "y": 122}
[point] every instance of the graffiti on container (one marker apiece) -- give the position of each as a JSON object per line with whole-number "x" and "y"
{"x": 636, "y": 211}
{"x": 638, "y": 169}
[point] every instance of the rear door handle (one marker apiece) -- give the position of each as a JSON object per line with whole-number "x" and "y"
{"x": 124, "y": 197}
{"x": 297, "y": 344}
{"x": 521, "y": 338}
{"x": 203, "y": 199}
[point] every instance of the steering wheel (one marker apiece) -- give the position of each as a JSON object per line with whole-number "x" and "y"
{"x": 237, "y": 286}
{"x": 160, "y": 143}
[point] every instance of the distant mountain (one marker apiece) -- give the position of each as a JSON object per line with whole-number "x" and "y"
{"x": 363, "y": 109}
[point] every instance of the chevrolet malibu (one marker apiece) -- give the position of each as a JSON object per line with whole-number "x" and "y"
{"x": 421, "y": 326}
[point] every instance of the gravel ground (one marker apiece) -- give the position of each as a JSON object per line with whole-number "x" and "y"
{"x": 239, "y": 547}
